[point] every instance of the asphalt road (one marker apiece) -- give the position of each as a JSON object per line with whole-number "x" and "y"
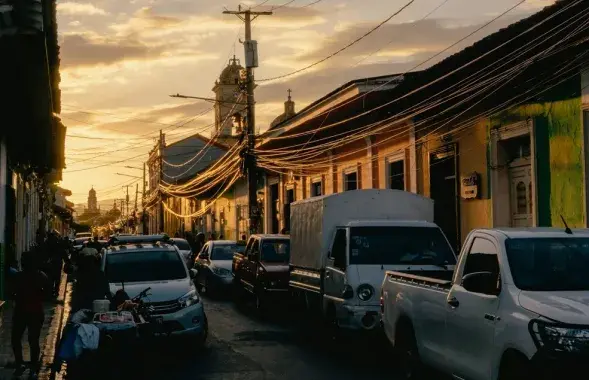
{"x": 244, "y": 345}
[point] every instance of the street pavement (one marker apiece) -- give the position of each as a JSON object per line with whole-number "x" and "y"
{"x": 243, "y": 345}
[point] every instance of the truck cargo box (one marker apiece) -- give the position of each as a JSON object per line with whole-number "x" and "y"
{"x": 313, "y": 221}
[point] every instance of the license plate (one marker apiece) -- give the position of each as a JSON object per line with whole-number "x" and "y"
{"x": 159, "y": 320}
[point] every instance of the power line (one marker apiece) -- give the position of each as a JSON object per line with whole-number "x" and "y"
{"x": 357, "y": 63}
{"x": 342, "y": 49}
{"x": 310, "y": 4}
{"x": 429, "y": 83}
{"x": 282, "y": 5}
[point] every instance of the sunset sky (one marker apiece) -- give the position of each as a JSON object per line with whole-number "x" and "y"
{"x": 121, "y": 59}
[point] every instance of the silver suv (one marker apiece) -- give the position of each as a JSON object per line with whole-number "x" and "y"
{"x": 178, "y": 307}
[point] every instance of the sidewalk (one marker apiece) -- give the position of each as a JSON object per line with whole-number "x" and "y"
{"x": 50, "y": 335}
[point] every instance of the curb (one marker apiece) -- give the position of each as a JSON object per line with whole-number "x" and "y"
{"x": 51, "y": 346}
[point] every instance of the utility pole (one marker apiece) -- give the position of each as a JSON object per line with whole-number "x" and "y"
{"x": 136, "y": 197}
{"x": 143, "y": 216}
{"x": 247, "y": 16}
{"x": 160, "y": 178}
{"x": 127, "y": 198}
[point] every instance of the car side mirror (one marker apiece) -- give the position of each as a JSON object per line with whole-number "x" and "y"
{"x": 482, "y": 283}
{"x": 193, "y": 273}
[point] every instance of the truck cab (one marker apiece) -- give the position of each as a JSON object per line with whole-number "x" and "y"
{"x": 343, "y": 243}
{"x": 262, "y": 270}
{"x": 361, "y": 253}
{"x": 517, "y": 307}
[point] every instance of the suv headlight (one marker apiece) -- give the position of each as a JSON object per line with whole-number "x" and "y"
{"x": 559, "y": 338}
{"x": 365, "y": 292}
{"x": 189, "y": 299}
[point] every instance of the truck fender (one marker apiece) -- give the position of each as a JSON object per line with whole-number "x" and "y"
{"x": 402, "y": 324}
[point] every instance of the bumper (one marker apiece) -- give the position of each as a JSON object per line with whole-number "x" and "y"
{"x": 558, "y": 366}
{"x": 359, "y": 317}
{"x": 188, "y": 321}
{"x": 217, "y": 281}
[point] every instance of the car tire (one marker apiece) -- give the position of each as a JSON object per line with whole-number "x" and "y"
{"x": 201, "y": 340}
{"x": 407, "y": 354}
{"x": 515, "y": 366}
{"x": 259, "y": 301}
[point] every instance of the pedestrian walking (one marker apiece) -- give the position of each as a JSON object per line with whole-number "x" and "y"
{"x": 57, "y": 255}
{"x": 30, "y": 286}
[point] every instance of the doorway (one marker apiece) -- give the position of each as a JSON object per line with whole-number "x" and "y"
{"x": 444, "y": 192}
{"x": 290, "y": 198}
{"x": 274, "y": 226}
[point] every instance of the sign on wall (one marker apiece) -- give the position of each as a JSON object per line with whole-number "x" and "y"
{"x": 470, "y": 186}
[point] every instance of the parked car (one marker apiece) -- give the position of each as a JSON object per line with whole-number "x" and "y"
{"x": 85, "y": 235}
{"x": 262, "y": 270}
{"x": 184, "y": 249}
{"x": 213, "y": 264}
{"x": 78, "y": 242}
{"x": 517, "y": 307}
{"x": 176, "y": 303}
{"x": 137, "y": 239}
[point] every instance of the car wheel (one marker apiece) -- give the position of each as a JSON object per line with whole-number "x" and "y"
{"x": 408, "y": 361}
{"x": 201, "y": 341}
{"x": 260, "y": 301}
{"x": 515, "y": 366}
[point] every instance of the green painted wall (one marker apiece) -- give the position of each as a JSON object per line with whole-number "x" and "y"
{"x": 558, "y": 129}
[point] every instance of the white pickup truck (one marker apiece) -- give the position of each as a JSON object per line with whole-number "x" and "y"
{"x": 517, "y": 307}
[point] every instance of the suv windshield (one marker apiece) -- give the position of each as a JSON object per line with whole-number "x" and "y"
{"x": 226, "y": 251}
{"x": 549, "y": 264}
{"x": 399, "y": 246}
{"x": 276, "y": 251}
{"x": 144, "y": 266}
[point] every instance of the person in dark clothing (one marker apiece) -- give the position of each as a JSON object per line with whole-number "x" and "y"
{"x": 57, "y": 255}
{"x": 30, "y": 285}
{"x": 199, "y": 242}
{"x": 91, "y": 283}
{"x": 94, "y": 243}
{"x": 243, "y": 237}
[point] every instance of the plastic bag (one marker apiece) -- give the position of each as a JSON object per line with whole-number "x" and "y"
{"x": 87, "y": 338}
{"x": 67, "y": 350}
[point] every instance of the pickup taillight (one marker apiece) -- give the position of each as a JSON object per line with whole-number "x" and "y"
{"x": 381, "y": 303}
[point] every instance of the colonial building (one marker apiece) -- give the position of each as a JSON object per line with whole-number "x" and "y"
{"x": 496, "y": 134}
{"x": 32, "y": 137}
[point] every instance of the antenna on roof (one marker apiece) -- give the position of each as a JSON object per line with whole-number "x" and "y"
{"x": 567, "y": 230}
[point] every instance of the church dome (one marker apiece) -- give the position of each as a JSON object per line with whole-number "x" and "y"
{"x": 230, "y": 74}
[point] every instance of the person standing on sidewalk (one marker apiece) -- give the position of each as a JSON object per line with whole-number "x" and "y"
{"x": 57, "y": 253}
{"x": 30, "y": 286}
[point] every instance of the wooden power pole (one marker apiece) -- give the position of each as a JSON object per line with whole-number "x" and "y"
{"x": 143, "y": 216}
{"x": 251, "y": 60}
{"x": 160, "y": 179}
